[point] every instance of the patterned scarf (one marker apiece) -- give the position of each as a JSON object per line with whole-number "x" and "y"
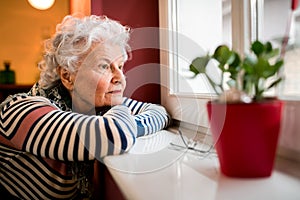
{"x": 58, "y": 94}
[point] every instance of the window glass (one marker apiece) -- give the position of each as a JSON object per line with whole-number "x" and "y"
{"x": 287, "y": 23}
{"x": 199, "y": 26}
{"x": 194, "y": 28}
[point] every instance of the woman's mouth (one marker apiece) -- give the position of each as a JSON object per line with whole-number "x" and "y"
{"x": 115, "y": 92}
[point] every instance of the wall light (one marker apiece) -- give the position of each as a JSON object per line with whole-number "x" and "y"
{"x": 41, "y": 4}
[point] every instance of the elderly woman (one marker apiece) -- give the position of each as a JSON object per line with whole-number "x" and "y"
{"x": 76, "y": 113}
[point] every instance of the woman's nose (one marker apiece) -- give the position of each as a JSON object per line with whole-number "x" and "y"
{"x": 117, "y": 73}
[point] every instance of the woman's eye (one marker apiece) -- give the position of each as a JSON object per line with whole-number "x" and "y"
{"x": 104, "y": 67}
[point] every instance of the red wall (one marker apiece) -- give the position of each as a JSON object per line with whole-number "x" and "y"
{"x": 142, "y": 70}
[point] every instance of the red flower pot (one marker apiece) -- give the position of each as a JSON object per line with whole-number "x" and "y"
{"x": 246, "y": 136}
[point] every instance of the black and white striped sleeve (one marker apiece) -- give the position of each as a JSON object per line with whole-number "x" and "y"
{"x": 44, "y": 130}
{"x": 149, "y": 117}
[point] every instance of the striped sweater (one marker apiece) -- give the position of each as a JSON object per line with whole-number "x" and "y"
{"x": 39, "y": 141}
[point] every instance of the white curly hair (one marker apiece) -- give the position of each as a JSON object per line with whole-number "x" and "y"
{"x": 74, "y": 38}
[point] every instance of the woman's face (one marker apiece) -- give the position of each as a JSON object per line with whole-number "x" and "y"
{"x": 100, "y": 80}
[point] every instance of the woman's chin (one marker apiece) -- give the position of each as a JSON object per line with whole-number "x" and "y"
{"x": 117, "y": 100}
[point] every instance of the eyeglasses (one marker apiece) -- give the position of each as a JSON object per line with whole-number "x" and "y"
{"x": 192, "y": 145}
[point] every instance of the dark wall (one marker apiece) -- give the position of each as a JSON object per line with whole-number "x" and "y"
{"x": 142, "y": 70}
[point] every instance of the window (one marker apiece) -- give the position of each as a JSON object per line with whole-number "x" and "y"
{"x": 187, "y": 25}
{"x": 280, "y": 12}
{"x": 195, "y": 27}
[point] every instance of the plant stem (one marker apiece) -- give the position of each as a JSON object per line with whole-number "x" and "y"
{"x": 213, "y": 84}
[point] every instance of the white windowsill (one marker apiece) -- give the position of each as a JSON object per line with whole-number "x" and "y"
{"x": 152, "y": 170}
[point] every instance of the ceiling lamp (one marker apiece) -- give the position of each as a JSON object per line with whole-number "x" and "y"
{"x": 41, "y": 4}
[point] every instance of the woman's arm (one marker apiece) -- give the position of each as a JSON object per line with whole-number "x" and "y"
{"x": 149, "y": 117}
{"x": 34, "y": 125}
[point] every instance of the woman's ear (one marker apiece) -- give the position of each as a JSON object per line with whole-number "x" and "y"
{"x": 67, "y": 78}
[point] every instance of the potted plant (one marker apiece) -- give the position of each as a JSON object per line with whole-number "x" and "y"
{"x": 244, "y": 122}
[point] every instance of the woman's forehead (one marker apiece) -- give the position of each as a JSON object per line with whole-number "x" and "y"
{"x": 108, "y": 52}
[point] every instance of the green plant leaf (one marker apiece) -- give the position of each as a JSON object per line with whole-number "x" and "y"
{"x": 234, "y": 66}
{"x": 270, "y": 54}
{"x": 268, "y": 47}
{"x": 222, "y": 54}
{"x": 198, "y": 65}
{"x": 278, "y": 65}
{"x": 257, "y": 47}
{"x": 234, "y": 60}
{"x": 262, "y": 68}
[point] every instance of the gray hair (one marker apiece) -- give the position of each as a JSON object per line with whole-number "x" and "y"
{"x": 73, "y": 39}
